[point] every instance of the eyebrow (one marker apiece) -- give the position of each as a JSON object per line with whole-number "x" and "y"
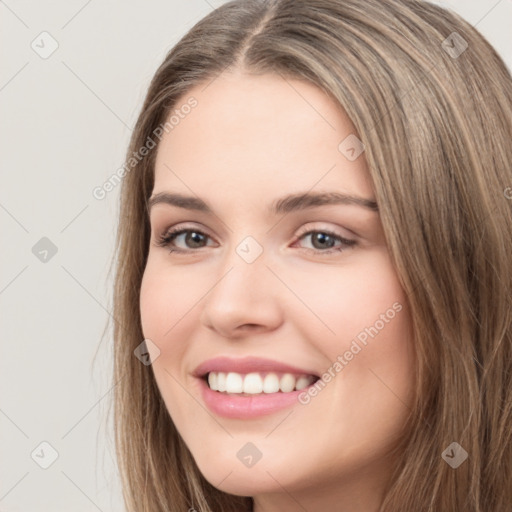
{"x": 293, "y": 202}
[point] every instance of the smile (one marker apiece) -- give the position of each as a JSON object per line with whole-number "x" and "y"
{"x": 249, "y": 387}
{"x": 258, "y": 382}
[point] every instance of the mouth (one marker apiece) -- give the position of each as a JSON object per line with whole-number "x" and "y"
{"x": 251, "y": 387}
{"x": 257, "y": 383}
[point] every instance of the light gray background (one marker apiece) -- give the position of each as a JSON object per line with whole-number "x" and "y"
{"x": 66, "y": 122}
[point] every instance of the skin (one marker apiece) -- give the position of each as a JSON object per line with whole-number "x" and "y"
{"x": 250, "y": 140}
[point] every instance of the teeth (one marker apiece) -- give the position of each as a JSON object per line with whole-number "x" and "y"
{"x": 221, "y": 382}
{"x": 234, "y": 383}
{"x": 213, "y": 381}
{"x": 252, "y": 384}
{"x": 256, "y": 383}
{"x": 287, "y": 383}
{"x": 271, "y": 383}
{"x": 302, "y": 382}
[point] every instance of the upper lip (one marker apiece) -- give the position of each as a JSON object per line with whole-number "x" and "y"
{"x": 247, "y": 365}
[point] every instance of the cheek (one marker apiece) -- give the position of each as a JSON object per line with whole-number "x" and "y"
{"x": 167, "y": 314}
{"x": 166, "y": 297}
{"x": 351, "y": 302}
{"x": 362, "y": 326}
{"x": 153, "y": 295}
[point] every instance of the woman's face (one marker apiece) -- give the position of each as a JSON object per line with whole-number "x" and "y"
{"x": 268, "y": 293}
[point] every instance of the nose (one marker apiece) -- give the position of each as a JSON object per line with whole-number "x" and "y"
{"x": 244, "y": 299}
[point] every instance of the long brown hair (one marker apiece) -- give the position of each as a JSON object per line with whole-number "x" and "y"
{"x": 432, "y": 104}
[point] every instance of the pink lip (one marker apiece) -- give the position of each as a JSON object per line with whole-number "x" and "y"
{"x": 249, "y": 406}
{"x": 247, "y": 365}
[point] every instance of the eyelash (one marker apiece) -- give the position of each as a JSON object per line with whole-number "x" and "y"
{"x": 166, "y": 238}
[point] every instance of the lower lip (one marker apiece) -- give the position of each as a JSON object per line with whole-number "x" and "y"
{"x": 245, "y": 407}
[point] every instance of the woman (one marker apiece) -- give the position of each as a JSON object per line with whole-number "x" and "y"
{"x": 313, "y": 266}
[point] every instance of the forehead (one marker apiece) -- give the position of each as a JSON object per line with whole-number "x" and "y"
{"x": 257, "y": 133}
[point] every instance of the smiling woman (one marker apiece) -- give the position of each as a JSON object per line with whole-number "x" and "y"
{"x": 314, "y": 264}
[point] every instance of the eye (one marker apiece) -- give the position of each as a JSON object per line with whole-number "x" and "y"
{"x": 323, "y": 241}
{"x": 194, "y": 237}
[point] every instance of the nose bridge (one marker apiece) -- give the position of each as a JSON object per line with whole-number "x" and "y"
{"x": 242, "y": 293}
{"x": 241, "y": 274}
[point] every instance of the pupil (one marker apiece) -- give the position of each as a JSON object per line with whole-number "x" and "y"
{"x": 194, "y": 237}
{"x": 322, "y": 237}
